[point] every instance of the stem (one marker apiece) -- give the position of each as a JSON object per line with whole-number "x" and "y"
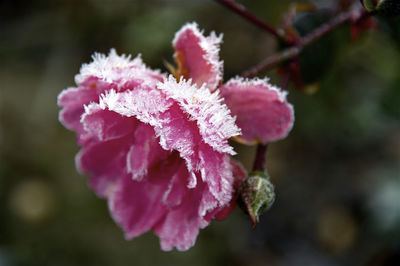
{"x": 272, "y": 61}
{"x": 295, "y": 50}
{"x": 328, "y": 27}
{"x": 241, "y": 10}
{"x": 259, "y": 161}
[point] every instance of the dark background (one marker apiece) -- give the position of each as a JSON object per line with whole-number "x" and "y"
{"x": 337, "y": 175}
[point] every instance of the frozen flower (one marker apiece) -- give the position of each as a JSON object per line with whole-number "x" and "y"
{"x": 156, "y": 146}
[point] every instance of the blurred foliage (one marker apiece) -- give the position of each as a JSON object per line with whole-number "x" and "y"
{"x": 336, "y": 176}
{"x": 319, "y": 57}
{"x": 391, "y": 25}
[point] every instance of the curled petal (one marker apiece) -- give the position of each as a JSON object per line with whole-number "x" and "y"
{"x": 262, "y": 111}
{"x": 197, "y": 56}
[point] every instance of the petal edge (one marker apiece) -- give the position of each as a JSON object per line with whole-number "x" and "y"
{"x": 262, "y": 110}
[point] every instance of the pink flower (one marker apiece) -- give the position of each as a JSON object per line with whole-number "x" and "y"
{"x": 157, "y": 148}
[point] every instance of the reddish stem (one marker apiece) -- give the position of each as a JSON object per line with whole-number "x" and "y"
{"x": 241, "y": 10}
{"x": 354, "y": 15}
{"x": 259, "y": 161}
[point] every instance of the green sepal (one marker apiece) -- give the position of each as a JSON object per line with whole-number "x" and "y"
{"x": 256, "y": 195}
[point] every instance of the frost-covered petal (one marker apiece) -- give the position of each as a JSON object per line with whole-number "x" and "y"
{"x": 187, "y": 119}
{"x": 197, "y": 56}
{"x": 216, "y": 171}
{"x": 106, "y": 125}
{"x": 170, "y": 124}
{"x": 103, "y": 74}
{"x": 239, "y": 174}
{"x": 182, "y": 135}
{"x": 116, "y": 72}
{"x": 212, "y": 116}
{"x": 262, "y": 111}
{"x": 144, "y": 152}
{"x": 73, "y": 100}
{"x": 144, "y": 103}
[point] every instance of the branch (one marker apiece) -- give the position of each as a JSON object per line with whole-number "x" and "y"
{"x": 272, "y": 61}
{"x": 354, "y": 15}
{"x": 241, "y": 10}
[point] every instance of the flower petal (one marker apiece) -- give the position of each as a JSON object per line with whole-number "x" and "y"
{"x": 197, "y": 56}
{"x": 144, "y": 152}
{"x": 216, "y": 171}
{"x": 116, "y": 72}
{"x": 104, "y": 158}
{"x": 105, "y": 162}
{"x": 106, "y": 125}
{"x": 181, "y": 225}
{"x": 137, "y": 205}
{"x": 73, "y": 100}
{"x": 239, "y": 174}
{"x": 177, "y": 187}
{"x": 213, "y": 117}
{"x": 103, "y": 74}
{"x": 262, "y": 111}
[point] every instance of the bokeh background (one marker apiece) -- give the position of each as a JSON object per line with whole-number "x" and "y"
{"x": 337, "y": 175}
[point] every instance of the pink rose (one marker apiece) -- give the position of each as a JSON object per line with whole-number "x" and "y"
{"x": 156, "y": 146}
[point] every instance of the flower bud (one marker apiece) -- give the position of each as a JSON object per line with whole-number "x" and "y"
{"x": 256, "y": 195}
{"x": 383, "y": 7}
